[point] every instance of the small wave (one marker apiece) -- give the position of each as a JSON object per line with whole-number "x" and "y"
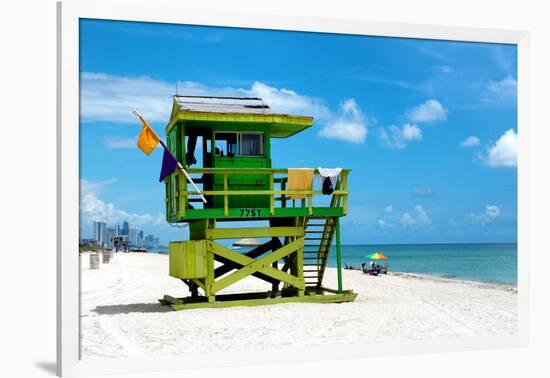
{"x": 449, "y": 275}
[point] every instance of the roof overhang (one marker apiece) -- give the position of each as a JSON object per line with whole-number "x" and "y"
{"x": 280, "y": 125}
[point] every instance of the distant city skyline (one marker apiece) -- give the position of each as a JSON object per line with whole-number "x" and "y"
{"x": 103, "y": 235}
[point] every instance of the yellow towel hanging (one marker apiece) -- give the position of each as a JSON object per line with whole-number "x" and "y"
{"x": 299, "y": 179}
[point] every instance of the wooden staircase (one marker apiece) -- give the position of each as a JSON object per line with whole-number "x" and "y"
{"x": 319, "y": 233}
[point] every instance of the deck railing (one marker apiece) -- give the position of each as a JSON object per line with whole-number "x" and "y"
{"x": 178, "y": 196}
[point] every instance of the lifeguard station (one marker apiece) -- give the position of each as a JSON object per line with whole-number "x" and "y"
{"x": 230, "y": 138}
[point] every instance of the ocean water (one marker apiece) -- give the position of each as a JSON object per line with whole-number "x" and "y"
{"x": 488, "y": 263}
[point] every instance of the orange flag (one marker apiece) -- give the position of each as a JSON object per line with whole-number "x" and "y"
{"x": 147, "y": 140}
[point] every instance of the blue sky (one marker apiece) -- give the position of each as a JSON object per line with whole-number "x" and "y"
{"x": 429, "y": 128}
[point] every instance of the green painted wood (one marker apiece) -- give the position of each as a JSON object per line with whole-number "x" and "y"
{"x": 251, "y": 266}
{"x": 229, "y": 265}
{"x": 262, "y": 264}
{"x": 280, "y": 125}
{"x": 325, "y": 245}
{"x": 197, "y": 229}
{"x": 247, "y": 170}
{"x": 245, "y": 188}
{"x": 250, "y": 192}
{"x": 209, "y": 279}
{"x": 187, "y": 259}
{"x": 247, "y": 185}
{"x": 236, "y": 233}
{"x": 201, "y": 214}
{"x": 199, "y": 283}
{"x": 338, "y": 255}
{"x": 326, "y": 298}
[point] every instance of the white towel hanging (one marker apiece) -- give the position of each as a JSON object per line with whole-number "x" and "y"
{"x": 331, "y": 173}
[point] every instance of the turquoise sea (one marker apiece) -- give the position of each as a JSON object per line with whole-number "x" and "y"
{"x": 489, "y": 263}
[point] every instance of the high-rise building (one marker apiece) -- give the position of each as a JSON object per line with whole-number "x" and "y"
{"x": 148, "y": 242}
{"x": 100, "y": 233}
{"x": 125, "y": 228}
{"x": 140, "y": 238}
{"x": 111, "y": 233}
{"x": 133, "y": 236}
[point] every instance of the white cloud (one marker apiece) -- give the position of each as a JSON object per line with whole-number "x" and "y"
{"x": 348, "y": 125}
{"x": 160, "y": 219}
{"x": 492, "y": 212}
{"x": 430, "y": 111}
{"x": 407, "y": 219}
{"x": 504, "y": 152}
{"x": 112, "y": 98}
{"x": 285, "y": 101}
{"x": 506, "y": 87}
{"x": 418, "y": 218}
{"x": 395, "y": 137}
{"x": 471, "y": 141}
{"x": 92, "y": 208}
{"x": 382, "y": 223}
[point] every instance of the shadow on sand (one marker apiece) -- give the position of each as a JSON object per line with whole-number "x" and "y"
{"x": 131, "y": 308}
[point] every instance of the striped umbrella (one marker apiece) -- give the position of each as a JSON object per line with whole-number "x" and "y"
{"x": 376, "y": 256}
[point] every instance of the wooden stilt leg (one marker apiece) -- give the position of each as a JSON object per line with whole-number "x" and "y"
{"x": 300, "y": 268}
{"x": 275, "y": 286}
{"x": 209, "y": 280}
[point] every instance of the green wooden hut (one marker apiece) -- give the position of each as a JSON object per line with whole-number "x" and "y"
{"x": 224, "y": 144}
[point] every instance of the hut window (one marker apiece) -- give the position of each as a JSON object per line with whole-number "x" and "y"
{"x": 239, "y": 144}
{"x": 226, "y": 144}
{"x": 251, "y": 144}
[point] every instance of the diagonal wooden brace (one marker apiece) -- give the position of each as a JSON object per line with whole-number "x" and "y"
{"x": 256, "y": 252}
{"x": 251, "y": 265}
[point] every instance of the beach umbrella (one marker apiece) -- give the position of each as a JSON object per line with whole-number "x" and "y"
{"x": 376, "y": 256}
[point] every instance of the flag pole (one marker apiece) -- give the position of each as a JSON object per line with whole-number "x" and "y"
{"x": 180, "y": 167}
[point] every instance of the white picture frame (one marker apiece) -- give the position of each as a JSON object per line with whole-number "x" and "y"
{"x": 69, "y": 13}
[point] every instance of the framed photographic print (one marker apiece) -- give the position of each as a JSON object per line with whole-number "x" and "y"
{"x": 285, "y": 187}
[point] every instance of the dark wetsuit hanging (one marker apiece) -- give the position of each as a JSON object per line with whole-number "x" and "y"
{"x": 190, "y": 155}
{"x": 327, "y": 186}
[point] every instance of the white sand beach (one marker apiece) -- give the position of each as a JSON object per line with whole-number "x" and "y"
{"x": 121, "y": 317}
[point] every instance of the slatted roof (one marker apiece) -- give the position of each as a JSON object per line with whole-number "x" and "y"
{"x": 245, "y": 105}
{"x": 206, "y": 110}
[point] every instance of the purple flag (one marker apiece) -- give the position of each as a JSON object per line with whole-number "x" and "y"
{"x": 169, "y": 164}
